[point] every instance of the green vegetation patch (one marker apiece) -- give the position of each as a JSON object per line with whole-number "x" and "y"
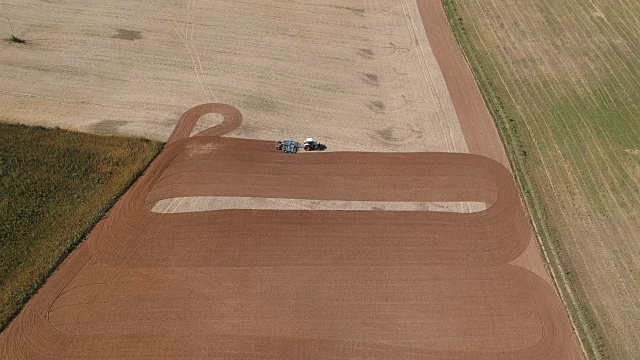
{"x": 15, "y": 39}
{"x": 54, "y": 187}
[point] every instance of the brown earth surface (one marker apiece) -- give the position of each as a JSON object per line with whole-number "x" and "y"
{"x": 299, "y": 284}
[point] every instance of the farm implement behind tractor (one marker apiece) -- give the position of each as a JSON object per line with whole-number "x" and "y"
{"x": 288, "y": 146}
{"x": 292, "y": 146}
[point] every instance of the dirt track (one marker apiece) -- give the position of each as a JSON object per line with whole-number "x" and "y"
{"x": 299, "y": 284}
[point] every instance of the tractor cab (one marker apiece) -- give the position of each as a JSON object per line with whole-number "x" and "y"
{"x": 312, "y": 145}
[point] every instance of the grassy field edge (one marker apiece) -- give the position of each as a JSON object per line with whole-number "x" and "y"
{"x": 557, "y": 266}
{"x": 78, "y": 237}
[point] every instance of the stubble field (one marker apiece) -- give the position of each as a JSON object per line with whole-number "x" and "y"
{"x": 359, "y": 76}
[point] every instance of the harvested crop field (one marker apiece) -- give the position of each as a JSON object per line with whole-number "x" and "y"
{"x": 562, "y": 78}
{"x": 359, "y": 75}
{"x": 54, "y": 187}
{"x": 300, "y": 284}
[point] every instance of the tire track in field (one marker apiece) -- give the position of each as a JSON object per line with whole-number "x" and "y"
{"x": 428, "y": 78}
{"x": 187, "y": 42}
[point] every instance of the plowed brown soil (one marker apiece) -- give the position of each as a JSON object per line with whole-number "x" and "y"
{"x": 299, "y": 284}
{"x": 476, "y": 123}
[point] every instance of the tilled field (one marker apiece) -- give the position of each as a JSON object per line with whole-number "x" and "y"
{"x": 299, "y": 284}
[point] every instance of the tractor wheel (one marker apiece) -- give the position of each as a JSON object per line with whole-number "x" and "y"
{"x": 307, "y": 148}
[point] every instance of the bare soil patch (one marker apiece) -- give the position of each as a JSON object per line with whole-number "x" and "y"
{"x": 292, "y": 284}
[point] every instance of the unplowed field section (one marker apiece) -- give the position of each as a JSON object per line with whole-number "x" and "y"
{"x": 358, "y": 75}
{"x": 299, "y": 284}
